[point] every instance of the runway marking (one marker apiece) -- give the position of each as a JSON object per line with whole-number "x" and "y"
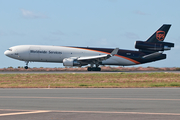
{"x": 96, "y": 112}
{"x": 91, "y": 98}
{"x": 22, "y": 113}
{"x": 114, "y": 112}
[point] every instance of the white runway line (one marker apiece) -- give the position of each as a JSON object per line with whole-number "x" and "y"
{"x": 84, "y": 98}
{"x": 94, "y": 112}
{"x": 114, "y": 112}
{"x": 23, "y": 113}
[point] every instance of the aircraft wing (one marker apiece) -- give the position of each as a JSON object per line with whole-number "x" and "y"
{"x": 98, "y": 58}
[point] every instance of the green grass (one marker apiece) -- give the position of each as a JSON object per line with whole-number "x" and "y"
{"x": 175, "y": 84}
{"x": 111, "y": 80}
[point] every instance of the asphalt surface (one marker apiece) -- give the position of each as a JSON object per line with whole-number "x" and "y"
{"x": 80, "y": 104}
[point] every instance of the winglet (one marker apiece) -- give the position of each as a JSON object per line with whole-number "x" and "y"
{"x": 115, "y": 51}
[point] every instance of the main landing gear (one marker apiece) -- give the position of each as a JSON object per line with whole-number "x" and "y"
{"x": 26, "y": 67}
{"x": 94, "y": 69}
{"x": 97, "y": 68}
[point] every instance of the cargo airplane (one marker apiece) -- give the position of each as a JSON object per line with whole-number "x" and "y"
{"x": 148, "y": 51}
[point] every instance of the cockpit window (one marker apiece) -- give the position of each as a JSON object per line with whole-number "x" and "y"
{"x": 10, "y": 49}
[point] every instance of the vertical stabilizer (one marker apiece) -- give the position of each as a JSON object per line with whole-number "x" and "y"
{"x": 160, "y": 34}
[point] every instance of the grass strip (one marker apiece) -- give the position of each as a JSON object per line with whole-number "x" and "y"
{"x": 94, "y": 80}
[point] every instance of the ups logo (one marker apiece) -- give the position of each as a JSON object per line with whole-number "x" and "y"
{"x": 160, "y": 35}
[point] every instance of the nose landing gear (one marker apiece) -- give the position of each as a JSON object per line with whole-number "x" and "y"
{"x": 26, "y": 67}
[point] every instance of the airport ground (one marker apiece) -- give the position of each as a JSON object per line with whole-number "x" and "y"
{"x": 90, "y": 80}
{"x": 88, "y": 103}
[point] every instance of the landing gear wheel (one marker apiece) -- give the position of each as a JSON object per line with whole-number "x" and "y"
{"x": 89, "y": 68}
{"x": 98, "y": 69}
{"x": 94, "y": 69}
{"x": 26, "y": 67}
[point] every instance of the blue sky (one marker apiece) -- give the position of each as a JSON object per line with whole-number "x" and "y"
{"x": 94, "y": 23}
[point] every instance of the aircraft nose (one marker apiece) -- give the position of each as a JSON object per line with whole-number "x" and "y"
{"x": 7, "y": 53}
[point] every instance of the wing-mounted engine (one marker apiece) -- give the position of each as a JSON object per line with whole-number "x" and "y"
{"x": 153, "y": 46}
{"x": 71, "y": 62}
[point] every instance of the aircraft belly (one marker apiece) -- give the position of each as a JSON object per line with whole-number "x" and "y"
{"x": 117, "y": 61}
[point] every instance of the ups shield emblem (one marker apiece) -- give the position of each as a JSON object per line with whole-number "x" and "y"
{"x": 160, "y": 35}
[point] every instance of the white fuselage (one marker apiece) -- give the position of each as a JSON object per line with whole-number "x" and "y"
{"x": 42, "y": 53}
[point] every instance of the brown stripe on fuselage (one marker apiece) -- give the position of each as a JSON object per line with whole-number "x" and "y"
{"x": 134, "y": 61}
{"x": 91, "y": 49}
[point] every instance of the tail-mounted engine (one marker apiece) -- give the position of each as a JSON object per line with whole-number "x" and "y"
{"x": 153, "y": 46}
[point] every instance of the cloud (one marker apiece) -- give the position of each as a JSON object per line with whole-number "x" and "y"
{"x": 11, "y": 33}
{"x": 58, "y": 33}
{"x": 103, "y": 42}
{"x": 2, "y": 33}
{"x": 52, "y": 38}
{"x": 131, "y": 35}
{"x": 32, "y": 15}
{"x": 176, "y": 47}
{"x": 112, "y": 0}
{"x": 140, "y": 12}
{"x": 176, "y": 42}
{"x": 15, "y": 33}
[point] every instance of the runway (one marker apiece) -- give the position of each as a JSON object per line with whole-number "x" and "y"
{"x": 80, "y": 104}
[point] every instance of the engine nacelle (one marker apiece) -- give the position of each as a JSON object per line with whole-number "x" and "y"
{"x": 156, "y": 46}
{"x": 71, "y": 62}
